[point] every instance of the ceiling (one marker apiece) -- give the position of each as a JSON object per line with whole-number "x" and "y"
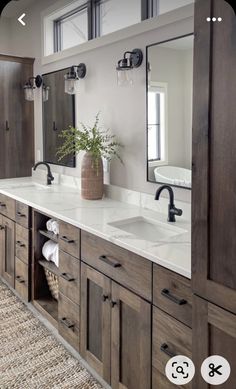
{"x": 16, "y": 8}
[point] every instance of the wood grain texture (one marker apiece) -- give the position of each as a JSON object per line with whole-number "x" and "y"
{"x": 178, "y": 337}
{"x": 7, "y": 206}
{"x": 9, "y": 257}
{"x": 22, "y": 279}
{"x": 2, "y": 244}
{"x": 160, "y": 381}
{"x": 96, "y": 320}
{"x": 23, "y": 215}
{"x": 72, "y": 234}
{"x": 69, "y": 279}
{"x": 179, "y": 287}
{"x": 214, "y": 139}
{"x": 130, "y": 340}
{"x": 22, "y": 244}
{"x": 69, "y": 320}
{"x": 213, "y": 334}
{"x": 134, "y": 272}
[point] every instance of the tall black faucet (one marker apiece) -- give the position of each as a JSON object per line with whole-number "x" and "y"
{"x": 172, "y": 210}
{"x": 50, "y": 177}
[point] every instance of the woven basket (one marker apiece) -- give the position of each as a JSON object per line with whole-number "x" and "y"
{"x": 52, "y": 281}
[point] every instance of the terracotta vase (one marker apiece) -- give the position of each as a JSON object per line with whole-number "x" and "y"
{"x": 91, "y": 177}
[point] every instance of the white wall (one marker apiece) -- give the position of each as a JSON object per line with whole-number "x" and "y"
{"x": 123, "y": 109}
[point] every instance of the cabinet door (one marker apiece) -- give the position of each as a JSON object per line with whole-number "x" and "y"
{"x": 131, "y": 340}
{"x": 95, "y": 320}
{"x": 214, "y": 157}
{"x": 217, "y": 330}
{"x": 2, "y": 245}
{"x": 9, "y": 251}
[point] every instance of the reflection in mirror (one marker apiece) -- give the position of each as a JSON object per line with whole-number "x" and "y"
{"x": 58, "y": 114}
{"x": 169, "y": 111}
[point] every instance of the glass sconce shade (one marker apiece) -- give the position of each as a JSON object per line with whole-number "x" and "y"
{"x": 29, "y": 92}
{"x": 132, "y": 59}
{"x": 125, "y": 77}
{"x": 30, "y": 86}
{"x": 72, "y": 78}
{"x": 45, "y": 93}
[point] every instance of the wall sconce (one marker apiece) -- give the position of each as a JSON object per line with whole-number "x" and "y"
{"x": 132, "y": 59}
{"x": 30, "y": 86}
{"x": 72, "y": 78}
{"x": 45, "y": 93}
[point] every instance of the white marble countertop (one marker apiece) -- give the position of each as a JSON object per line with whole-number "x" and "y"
{"x": 65, "y": 203}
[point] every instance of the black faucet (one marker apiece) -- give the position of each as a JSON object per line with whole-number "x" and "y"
{"x": 172, "y": 210}
{"x": 50, "y": 177}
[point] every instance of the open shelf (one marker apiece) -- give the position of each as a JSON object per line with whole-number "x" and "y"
{"x": 49, "y": 235}
{"x": 48, "y": 307}
{"x": 49, "y": 266}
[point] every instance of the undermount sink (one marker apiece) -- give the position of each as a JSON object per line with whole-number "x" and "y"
{"x": 148, "y": 229}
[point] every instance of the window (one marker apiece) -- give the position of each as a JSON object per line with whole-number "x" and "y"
{"x": 71, "y": 29}
{"x": 157, "y": 126}
{"x": 94, "y": 18}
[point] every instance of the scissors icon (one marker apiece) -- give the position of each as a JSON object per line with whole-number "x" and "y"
{"x": 214, "y": 370}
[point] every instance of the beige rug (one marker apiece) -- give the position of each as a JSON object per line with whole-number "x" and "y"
{"x": 30, "y": 357}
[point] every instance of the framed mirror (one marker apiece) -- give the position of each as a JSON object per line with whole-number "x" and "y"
{"x": 169, "y": 111}
{"x": 58, "y": 114}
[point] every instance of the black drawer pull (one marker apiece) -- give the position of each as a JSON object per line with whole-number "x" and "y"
{"x": 67, "y": 277}
{"x": 113, "y": 303}
{"x": 2, "y": 228}
{"x": 20, "y": 244}
{"x": 20, "y": 279}
{"x": 20, "y": 214}
{"x": 109, "y": 261}
{"x": 167, "y": 294}
{"x": 7, "y": 126}
{"x": 165, "y": 349}
{"x": 104, "y": 297}
{"x": 65, "y": 239}
{"x": 3, "y": 205}
{"x": 66, "y": 323}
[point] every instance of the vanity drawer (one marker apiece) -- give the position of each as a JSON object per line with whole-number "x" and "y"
{"x": 23, "y": 215}
{"x": 169, "y": 337}
{"x": 68, "y": 320}
{"x": 7, "y": 206}
{"x": 69, "y": 239}
{"x": 172, "y": 293}
{"x": 121, "y": 265}
{"x": 22, "y": 243}
{"x": 22, "y": 279}
{"x": 69, "y": 280}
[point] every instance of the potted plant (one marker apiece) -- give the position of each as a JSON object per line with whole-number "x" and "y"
{"x": 97, "y": 144}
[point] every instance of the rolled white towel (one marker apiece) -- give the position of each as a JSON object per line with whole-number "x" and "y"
{"x": 50, "y": 252}
{"x": 49, "y": 224}
{"x": 55, "y": 227}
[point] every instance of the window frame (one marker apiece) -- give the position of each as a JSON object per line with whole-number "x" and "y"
{"x": 149, "y": 9}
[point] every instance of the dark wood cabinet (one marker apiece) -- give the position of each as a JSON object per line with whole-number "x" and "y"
{"x": 115, "y": 331}
{"x": 8, "y": 250}
{"x": 16, "y": 118}
{"x": 95, "y": 333}
{"x": 216, "y": 328}
{"x": 214, "y": 157}
{"x": 2, "y": 245}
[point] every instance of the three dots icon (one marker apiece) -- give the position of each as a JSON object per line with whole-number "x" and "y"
{"x": 214, "y": 19}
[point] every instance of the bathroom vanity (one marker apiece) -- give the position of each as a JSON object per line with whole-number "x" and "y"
{"x": 124, "y": 313}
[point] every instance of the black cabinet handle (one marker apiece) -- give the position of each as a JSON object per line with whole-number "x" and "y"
{"x": 113, "y": 303}
{"x": 20, "y": 244}
{"x": 66, "y": 323}
{"x": 165, "y": 349}
{"x": 20, "y": 214}
{"x": 2, "y": 228}
{"x": 20, "y": 279}
{"x": 67, "y": 277}
{"x": 54, "y": 126}
{"x": 166, "y": 293}
{"x": 7, "y": 126}
{"x": 104, "y": 297}
{"x": 3, "y": 205}
{"x": 109, "y": 261}
{"x": 65, "y": 239}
